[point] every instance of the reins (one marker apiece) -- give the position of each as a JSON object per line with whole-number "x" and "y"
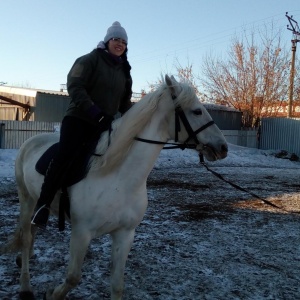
{"x": 242, "y": 189}
{"x": 174, "y": 145}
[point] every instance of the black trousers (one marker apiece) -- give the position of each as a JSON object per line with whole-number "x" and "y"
{"x": 76, "y": 136}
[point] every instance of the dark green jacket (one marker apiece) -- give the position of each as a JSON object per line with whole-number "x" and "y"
{"x": 97, "y": 78}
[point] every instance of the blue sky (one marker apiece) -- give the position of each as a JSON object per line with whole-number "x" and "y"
{"x": 40, "y": 39}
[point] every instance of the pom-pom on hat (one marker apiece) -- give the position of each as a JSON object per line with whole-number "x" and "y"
{"x": 116, "y": 31}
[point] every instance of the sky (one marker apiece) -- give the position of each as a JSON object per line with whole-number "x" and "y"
{"x": 40, "y": 40}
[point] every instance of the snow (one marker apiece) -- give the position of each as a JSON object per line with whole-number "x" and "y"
{"x": 237, "y": 156}
{"x": 200, "y": 238}
{"x": 7, "y": 162}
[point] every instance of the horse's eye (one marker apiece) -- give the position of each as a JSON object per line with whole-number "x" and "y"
{"x": 198, "y": 112}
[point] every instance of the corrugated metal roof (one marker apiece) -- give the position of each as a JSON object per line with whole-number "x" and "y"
{"x": 53, "y": 92}
{"x": 211, "y": 106}
{"x": 28, "y": 91}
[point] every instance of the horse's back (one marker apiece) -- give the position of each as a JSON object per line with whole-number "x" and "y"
{"x": 38, "y": 141}
{"x": 29, "y": 153}
{"x": 36, "y": 145}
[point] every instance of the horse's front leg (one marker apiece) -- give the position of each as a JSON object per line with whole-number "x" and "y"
{"x": 25, "y": 286}
{"x": 27, "y": 236}
{"x": 80, "y": 241}
{"x": 121, "y": 244}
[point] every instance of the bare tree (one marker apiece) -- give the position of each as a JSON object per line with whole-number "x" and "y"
{"x": 184, "y": 74}
{"x": 255, "y": 77}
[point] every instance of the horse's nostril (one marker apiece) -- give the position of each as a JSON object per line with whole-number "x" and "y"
{"x": 224, "y": 148}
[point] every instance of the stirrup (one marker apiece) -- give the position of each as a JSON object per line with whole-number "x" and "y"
{"x": 40, "y": 218}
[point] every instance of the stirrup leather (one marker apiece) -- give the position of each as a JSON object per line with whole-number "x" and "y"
{"x": 41, "y": 216}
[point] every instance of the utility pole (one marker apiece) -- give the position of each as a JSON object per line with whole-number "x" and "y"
{"x": 296, "y": 35}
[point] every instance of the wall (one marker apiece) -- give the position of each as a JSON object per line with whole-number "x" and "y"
{"x": 50, "y": 107}
{"x": 244, "y": 138}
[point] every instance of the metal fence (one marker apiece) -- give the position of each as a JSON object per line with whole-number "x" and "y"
{"x": 275, "y": 133}
{"x": 14, "y": 133}
{"x": 280, "y": 134}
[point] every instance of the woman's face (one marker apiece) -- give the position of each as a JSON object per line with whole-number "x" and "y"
{"x": 117, "y": 46}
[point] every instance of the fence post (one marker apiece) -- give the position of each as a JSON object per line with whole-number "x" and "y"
{"x": 2, "y": 136}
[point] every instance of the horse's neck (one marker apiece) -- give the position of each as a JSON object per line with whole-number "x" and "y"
{"x": 142, "y": 156}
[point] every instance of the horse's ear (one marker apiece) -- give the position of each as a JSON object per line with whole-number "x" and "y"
{"x": 173, "y": 86}
{"x": 168, "y": 80}
{"x": 173, "y": 78}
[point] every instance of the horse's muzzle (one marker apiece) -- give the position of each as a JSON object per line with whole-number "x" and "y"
{"x": 213, "y": 153}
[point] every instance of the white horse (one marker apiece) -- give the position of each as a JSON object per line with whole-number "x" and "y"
{"x": 112, "y": 198}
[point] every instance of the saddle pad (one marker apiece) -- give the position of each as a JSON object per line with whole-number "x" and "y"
{"x": 77, "y": 170}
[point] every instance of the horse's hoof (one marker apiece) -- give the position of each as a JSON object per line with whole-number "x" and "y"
{"x": 48, "y": 295}
{"x": 26, "y": 295}
{"x": 19, "y": 263}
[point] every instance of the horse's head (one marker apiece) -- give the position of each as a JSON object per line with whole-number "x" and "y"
{"x": 193, "y": 123}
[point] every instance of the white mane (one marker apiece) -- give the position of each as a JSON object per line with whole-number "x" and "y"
{"x": 127, "y": 128}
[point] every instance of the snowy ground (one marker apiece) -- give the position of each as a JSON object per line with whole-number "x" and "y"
{"x": 200, "y": 238}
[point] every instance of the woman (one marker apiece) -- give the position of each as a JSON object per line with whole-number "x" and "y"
{"x": 99, "y": 84}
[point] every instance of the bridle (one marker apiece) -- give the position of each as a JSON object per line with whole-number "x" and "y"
{"x": 192, "y": 135}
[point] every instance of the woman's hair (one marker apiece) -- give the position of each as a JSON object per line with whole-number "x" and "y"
{"x": 127, "y": 68}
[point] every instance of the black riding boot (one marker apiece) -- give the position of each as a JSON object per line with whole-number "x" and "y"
{"x": 52, "y": 182}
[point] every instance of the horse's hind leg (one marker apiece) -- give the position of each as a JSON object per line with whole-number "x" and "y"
{"x": 31, "y": 251}
{"x": 78, "y": 247}
{"x": 121, "y": 245}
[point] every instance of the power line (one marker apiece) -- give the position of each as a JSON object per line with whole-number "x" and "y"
{"x": 202, "y": 42}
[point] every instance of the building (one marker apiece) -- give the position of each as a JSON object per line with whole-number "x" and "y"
{"x": 226, "y": 118}
{"x": 25, "y": 104}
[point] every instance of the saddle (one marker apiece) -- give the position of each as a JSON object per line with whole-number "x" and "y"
{"x": 76, "y": 172}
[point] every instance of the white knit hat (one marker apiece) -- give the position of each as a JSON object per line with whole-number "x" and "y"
{"x": 116, "y": 31}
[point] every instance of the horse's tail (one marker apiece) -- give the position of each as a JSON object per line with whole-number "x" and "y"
{"x": 13, "y": 244}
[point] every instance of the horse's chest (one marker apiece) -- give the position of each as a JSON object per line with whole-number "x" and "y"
{"x": 110, "y": 208}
